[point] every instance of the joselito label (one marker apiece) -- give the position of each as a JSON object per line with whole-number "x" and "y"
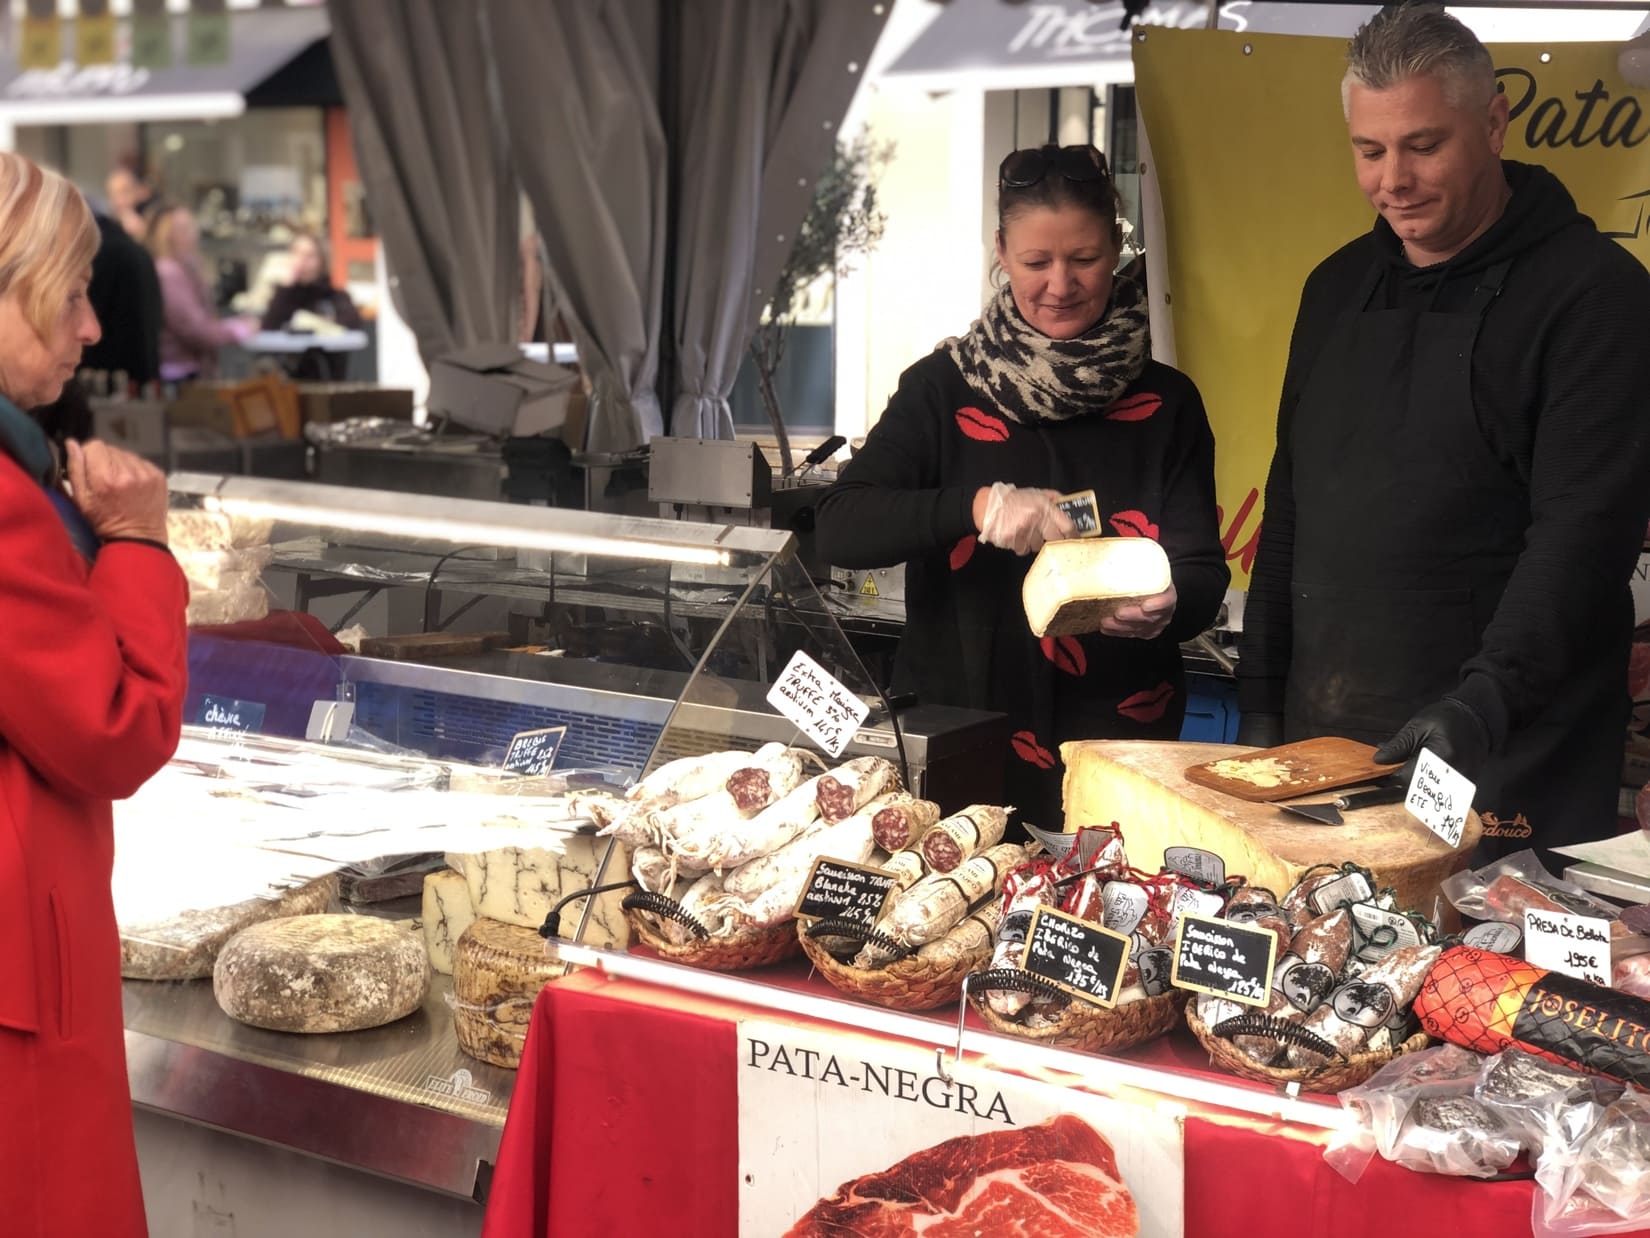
{"x": 1599, "y": 1028}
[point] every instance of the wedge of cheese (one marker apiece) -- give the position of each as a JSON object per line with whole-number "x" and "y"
{"x": 446, "y": 914}
{"x": 1141, "y": 785}
{"x": 519, "y": 885}
{"x": 1073, "y": 585}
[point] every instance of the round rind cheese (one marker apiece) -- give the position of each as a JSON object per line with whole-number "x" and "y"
{"x": 322, "y": 974}
{"x": 498, "y": 970}
{"x": 186, "y": 946}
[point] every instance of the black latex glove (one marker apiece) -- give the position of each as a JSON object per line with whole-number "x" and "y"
{"x": 1260, "y": 730}
{"x": 1452, "y": 730}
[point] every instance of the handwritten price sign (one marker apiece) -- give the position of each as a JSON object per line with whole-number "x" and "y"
{"x": 1440, "y": 797}
{"x": 822, "y": 708}
{"x": 1576, "y": 946}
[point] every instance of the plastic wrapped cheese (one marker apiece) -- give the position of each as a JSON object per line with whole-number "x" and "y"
{"x": 186, "y": 946}
{"x": 1073, "y": 585}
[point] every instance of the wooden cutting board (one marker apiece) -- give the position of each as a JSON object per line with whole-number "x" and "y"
{"x": 1291, "y": 770}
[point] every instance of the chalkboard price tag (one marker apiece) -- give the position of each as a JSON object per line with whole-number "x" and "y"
{"x": 1224, "y": 959}
{"x": 225, "y": 714}
{"x": 1077, "y": 957}
{"x": 1083, "y": 510}
{"x": 837, "y": 890}
{"x": 534, "y": 752}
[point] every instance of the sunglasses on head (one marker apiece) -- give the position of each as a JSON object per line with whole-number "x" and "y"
{"x": 1025, "y": 168}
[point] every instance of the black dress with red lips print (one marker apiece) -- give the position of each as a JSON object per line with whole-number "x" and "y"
{"x": 907, "y": 497}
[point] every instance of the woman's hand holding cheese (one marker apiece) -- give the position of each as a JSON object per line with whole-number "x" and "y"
{"x": 1143, "y": 620}
{"x": 1019, "y": 520}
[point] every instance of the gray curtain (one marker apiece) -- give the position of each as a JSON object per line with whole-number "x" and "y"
{"x": 578, "y": 84}
{"x": 764, "y": 87}
{"x": 434, "y": 162}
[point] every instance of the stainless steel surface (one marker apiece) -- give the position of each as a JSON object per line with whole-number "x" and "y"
{"x": 703, "y": 472}
{"x": 1319, "y": 814}
{"x": 401, "y": 1101}
{"x": 513, "y": 522}
{"x": 608, "y": 690}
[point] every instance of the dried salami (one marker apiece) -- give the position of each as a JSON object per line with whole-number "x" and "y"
{"x": 903, "y": 821}
{"x": 958, "y": 837}
{"x": 843, "y": 791}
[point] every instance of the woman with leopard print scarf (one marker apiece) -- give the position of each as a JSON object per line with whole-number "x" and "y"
{"x": 1051, "y": 391}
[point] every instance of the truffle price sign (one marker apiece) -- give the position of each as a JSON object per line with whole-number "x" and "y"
{"x": 1439, "y": 797}
{"x": 837, "y": 890}
{"x": 1083, "y": 959}
{"x": 534, "y": 752}
{"x": 1224, "y": 959}
{"x": 1576, "y": 946}
{"x": 1083, "y": 510}
{"x": 821, "y": 707}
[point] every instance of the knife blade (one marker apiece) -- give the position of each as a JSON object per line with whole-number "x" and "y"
{"x": 1329, "y": 812}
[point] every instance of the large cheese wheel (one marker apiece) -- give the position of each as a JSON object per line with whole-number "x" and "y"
{"x": 186, "y": 947}
{"x": 498, "y": 969}
{"x": 322, "y": 974}
{"x": 448, "y": 911}
{"x": 1073, "y": 585}
{"x": 1141, "y": 785}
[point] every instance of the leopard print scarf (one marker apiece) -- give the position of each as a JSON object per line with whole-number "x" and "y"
{"x": 1034, "y": 380}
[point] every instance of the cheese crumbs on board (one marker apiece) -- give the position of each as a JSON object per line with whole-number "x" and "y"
{"x": 1265, "y": 772}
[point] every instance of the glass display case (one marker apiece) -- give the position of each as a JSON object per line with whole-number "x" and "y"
{"x": 372, "y": 676}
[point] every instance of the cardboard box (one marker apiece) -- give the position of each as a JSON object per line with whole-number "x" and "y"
{"x": 204, "y": 405}
{"x": 492, "y": 388}
{"x": 329, "y": 402}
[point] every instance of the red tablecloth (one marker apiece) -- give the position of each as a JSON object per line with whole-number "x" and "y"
{"x": 624, "y": 1122}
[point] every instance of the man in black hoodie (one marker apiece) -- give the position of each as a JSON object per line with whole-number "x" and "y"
{"x": 1462, "y": 475}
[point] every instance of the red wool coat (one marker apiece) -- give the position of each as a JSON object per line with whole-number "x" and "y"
{"x": 93, "y": 668}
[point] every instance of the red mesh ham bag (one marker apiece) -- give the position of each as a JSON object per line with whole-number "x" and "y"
{"x": 1492, "y": 1002}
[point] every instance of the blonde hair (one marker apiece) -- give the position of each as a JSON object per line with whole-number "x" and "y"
{"x": 48, "y": 239}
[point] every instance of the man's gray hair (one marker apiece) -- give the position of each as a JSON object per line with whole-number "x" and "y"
{"x": 1410, "y": 40}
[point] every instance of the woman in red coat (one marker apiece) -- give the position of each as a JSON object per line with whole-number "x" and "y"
{"x": 92, "y": 678}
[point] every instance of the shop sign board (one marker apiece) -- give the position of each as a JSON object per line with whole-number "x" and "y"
{"x": 825, "y": 1111}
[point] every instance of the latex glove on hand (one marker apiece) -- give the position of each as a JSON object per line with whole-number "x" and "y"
{"x": 1142, "y": 620}
{"x": 1260, "y": 730}
{"x": 1021, "y": 520}
{"x": 1453, "y": 731}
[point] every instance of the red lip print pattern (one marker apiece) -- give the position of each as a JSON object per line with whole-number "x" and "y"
{"x": 1135, "y": 407}
{"x": 1133, "y": 524}
{"x": 962, "y": 552}
{"x": 981, "y": 426}
{"x": 1147, "y": 706}
{"x": 1066, "y": 652}
{"x": 1030, "y": 751}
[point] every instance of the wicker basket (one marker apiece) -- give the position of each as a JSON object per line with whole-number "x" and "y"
{"x": 1333, "y": 1076}
{"x": 1094, "y": 1029}
{"x": 740, "y": 952}
{"x": 910, "y": 983}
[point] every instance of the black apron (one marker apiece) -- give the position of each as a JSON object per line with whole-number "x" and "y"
{"x": 1407, "y": 529}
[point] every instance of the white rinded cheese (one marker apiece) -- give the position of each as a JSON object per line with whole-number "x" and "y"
{"x": 322, "y": 974}
{"x": 447, "y": 913}
{"x": 498, "y": 970}
{"x": 1072, "y": 585}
